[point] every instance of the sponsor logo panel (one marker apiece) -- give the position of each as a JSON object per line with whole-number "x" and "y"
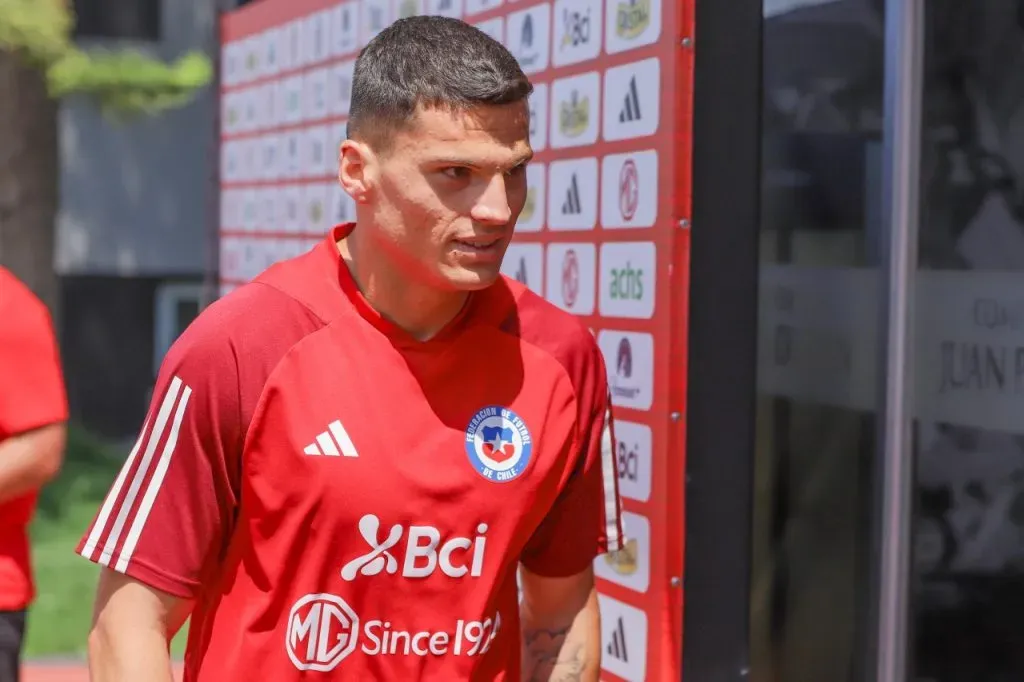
{"x": 575, "y": 110}
{"x": 629, "y": 189}
{"x": 572, "y": 199}
{"x": 623, "y": 639}
{"x": 629, "y": 358}
{"x": 633, "y": 460}
{"x": 630, "y": 566}
{"x": 525, "y": 264}
{"x": 632, "y": 100}
{"x": 628, "y": 280}
{"x": 571, "y": 274}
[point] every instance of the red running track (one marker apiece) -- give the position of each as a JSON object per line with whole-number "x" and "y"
{"x": 64, "y": 673}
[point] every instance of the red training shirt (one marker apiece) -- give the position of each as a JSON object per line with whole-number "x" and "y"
{"x": 345, "y": 500}
{"x": 32, "y": 395}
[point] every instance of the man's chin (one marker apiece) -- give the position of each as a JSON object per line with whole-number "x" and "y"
{"x": 472, "y": 279}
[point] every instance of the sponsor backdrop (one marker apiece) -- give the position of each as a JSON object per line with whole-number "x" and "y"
{"x": 603, "y": 234}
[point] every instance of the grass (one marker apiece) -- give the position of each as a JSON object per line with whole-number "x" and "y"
{"x": 59, "y": 619}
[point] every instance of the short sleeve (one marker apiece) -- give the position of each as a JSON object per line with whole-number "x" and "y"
{"x": 32, "y": 392}
{"x": 167, "y": 517}
{"x": 585, "y": 520}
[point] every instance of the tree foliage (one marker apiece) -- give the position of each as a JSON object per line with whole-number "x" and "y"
{"x": 125, "y": 82}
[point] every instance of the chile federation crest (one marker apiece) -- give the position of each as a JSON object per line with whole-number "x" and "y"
{"x": 498, "y": 444}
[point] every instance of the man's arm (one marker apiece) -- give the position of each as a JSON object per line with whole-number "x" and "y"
{"x": 31, "y": 459}
{"x": 133, "y": 625}
{"x": 561, "y": 628}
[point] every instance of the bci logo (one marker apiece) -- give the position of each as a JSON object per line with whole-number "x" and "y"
{"x": 577, "y": 28}
{"x": 627, "y": 283}
{"x": 425, "y": 552}
{"x": 629, "y": 461}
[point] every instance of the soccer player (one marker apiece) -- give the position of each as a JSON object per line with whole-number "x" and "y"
{"x": 347, "y": 460}
{"x": 33, "y": 415}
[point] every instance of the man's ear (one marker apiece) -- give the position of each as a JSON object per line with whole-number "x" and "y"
{"x": 357, "y": 169}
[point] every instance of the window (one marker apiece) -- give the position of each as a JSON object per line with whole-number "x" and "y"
{"x": 131, "y": 19}
{"x": 177, "y": 305}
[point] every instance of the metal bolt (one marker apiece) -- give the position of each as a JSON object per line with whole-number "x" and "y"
{"x": 687, "y": 42}
{"x": 684, "y": 224}
{"x": 676, "y": 416}
{"x": 675, "y": 581}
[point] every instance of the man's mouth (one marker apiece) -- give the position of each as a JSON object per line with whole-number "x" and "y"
{"x": 478, "y": 243}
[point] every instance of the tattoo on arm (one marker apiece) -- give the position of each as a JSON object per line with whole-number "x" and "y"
{"x": 548, "y": 656}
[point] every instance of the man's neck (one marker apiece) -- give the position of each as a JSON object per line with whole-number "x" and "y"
{"x": 419, "y": 310}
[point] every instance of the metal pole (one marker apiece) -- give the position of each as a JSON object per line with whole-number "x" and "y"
{"x": 904, "y": 54}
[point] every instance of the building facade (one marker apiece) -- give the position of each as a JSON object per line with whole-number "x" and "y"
{"x": 857, "y": 342}
{"x": 134, "y": 247}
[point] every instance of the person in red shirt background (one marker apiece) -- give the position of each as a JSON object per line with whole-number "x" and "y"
{"x": 33, "y": 416}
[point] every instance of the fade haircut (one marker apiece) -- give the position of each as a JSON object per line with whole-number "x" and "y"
{"x": 433, "y": 62}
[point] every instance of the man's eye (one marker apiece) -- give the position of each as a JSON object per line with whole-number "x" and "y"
{"x": 456, "y": 172}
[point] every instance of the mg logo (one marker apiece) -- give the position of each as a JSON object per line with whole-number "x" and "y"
{"x": 322, "y": 631}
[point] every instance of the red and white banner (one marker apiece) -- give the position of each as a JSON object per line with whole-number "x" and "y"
{"x": 603, "y": 234}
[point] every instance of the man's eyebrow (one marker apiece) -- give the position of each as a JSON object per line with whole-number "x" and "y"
{"x": 463, "y": 161}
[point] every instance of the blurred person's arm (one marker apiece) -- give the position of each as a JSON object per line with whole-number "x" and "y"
{"x": 133, "y": 625}
{"x": 33, "y": 403}
{"x": 30, "y": 460}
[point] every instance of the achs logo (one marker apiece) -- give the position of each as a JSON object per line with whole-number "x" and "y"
{"x": 574, "y": 115}
{"x": 632, "y": 18}
{"x": 627, "y": 283}
{"x": 425, "y": 552}
{"x": 577, "y": 28}
{"x": 498, "y": 444}
{"x": 623, "y": 561}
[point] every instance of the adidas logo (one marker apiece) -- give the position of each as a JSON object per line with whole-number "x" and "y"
{"x": 521, "y": 272}
{"x": 571, "y": 205}
{"x": 617, "y": 647}
{"x": 631, "y": 107}
{"x": 334, "y": 442}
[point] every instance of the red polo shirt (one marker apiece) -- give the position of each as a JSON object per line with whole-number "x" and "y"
{"x": 31, "y": 395}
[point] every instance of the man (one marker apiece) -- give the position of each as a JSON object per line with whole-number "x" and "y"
{"x": 346, "y": 460}
{"x": 33, "y": 413}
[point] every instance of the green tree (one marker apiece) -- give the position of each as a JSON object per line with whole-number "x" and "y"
{"x": 39, "y": 64}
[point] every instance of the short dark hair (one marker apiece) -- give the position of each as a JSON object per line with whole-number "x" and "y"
{"x": 429, "y": 61}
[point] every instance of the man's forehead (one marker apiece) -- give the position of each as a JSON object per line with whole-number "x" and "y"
{"x": 505, "y": 124}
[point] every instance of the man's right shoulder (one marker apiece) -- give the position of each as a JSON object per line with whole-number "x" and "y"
{"x": 255, "y": 323}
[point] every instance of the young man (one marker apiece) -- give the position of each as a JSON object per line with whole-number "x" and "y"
{"x": 347, "y": 460}
{"x": 33, "y": 412}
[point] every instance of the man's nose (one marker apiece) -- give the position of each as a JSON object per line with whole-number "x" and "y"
{"x": 491, "y": 207}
